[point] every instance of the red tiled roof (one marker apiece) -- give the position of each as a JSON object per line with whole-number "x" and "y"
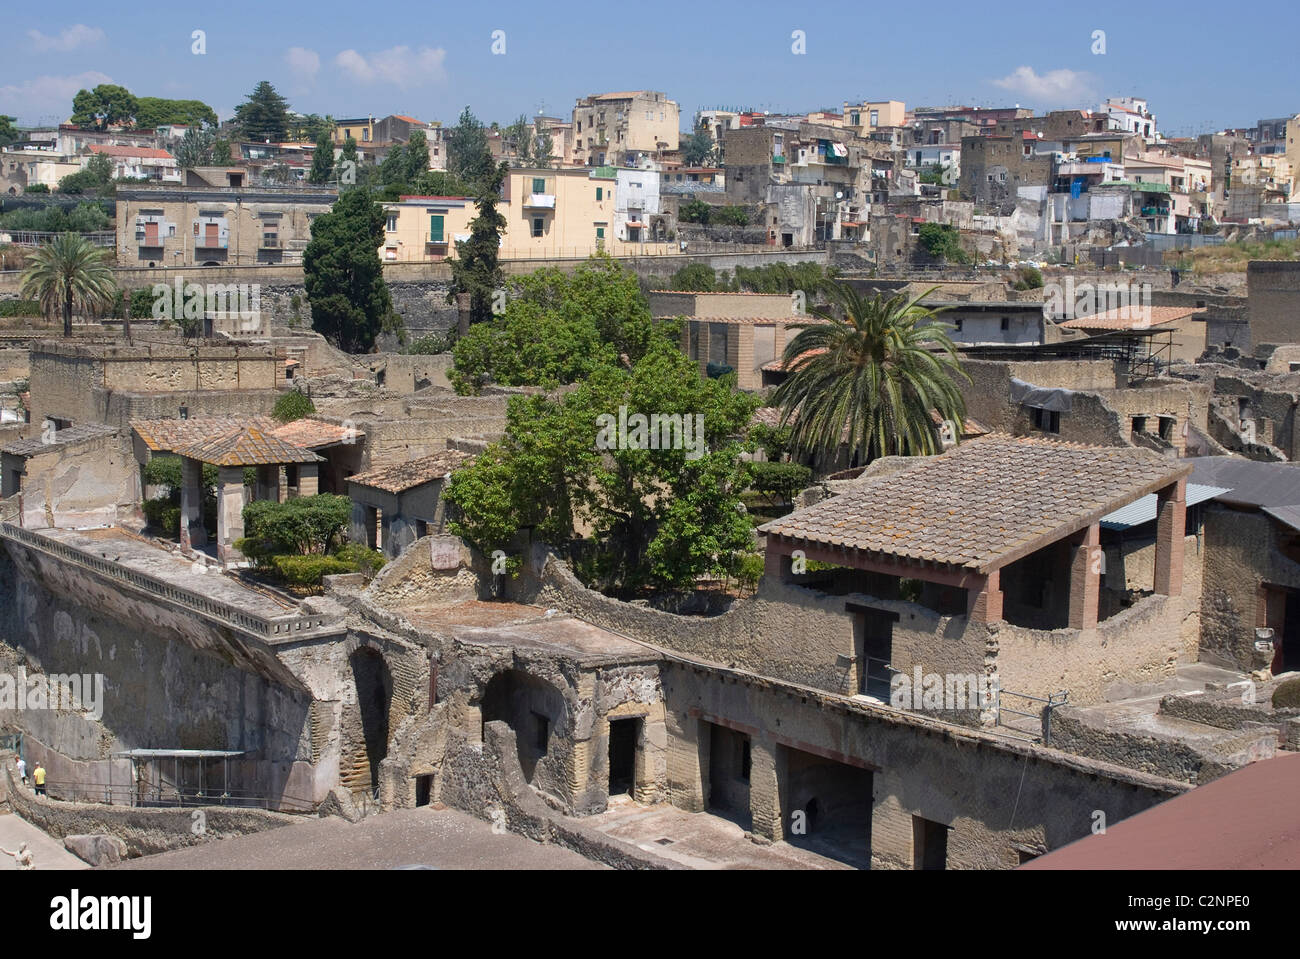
{"x": 1131, "y": 318}
{"x": 119, "y": 151}
{"x": 777, "y": 366}
{"x": 982, "y": 505}
{"x": 250, "y": 446}
{"x": 313, "y": 434}
{"x": 404, "y": 476}
{"x": 1244, "y": 820}
{"x": 168, "y": 435}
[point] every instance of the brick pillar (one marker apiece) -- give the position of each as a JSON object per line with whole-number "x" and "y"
{"x": 776, "y": 564}
{"x": 984, "y": 603}
{"x": 1171, "y": 526}
{"x": 230, "y": 511}
{"x": 1085, "y": 578}
{"x": 308, "y": 479}
{"x": 688, "y": 761}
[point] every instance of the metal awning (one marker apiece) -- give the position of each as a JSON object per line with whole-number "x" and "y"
{"x": 1143, "y": 509}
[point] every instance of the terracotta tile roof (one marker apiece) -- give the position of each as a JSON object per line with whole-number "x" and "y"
{"x": 313, "y": 434}
{"x": 80, "y": 433}
{"x": 1132, "y": 318}
{"x": 404, "y": 476}
{"x": 778, "y": 366}
{"x": 249, "y": 446}
{"x": 120, "y": 151}
{"x": 752, "y": 320}
{"x": 165, "y": 436}
{"x": 985, "y": 504}
{"x": 767, "y": 415}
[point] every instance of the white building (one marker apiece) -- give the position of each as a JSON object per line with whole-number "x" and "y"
{"x": 636, "y": 201}
{"x": 1131, "y": 115}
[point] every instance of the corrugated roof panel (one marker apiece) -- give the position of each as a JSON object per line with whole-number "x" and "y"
{"x": 1143, "y": 509}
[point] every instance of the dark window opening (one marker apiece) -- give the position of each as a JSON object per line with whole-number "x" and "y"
{"x": 1049, "y": 421}
{"x": 929, "y": 844}
{"x": 423, "y": 789}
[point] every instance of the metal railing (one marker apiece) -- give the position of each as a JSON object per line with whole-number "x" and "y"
{"x": 168, "y": 796}
{"x": 36, "y": 238}
{"x": 1043, "y": 714}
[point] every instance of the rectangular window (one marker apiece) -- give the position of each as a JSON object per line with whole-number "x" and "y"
{"x": 600, "y": 233}
{"x": 392, "y": 223}
{"x": 600, "y": 194}
{"x": 537, "y": 226}
{"x": 435, "y": 229}
{"x": 1006, "y": 323}
{"x": 539, "y": 184}
{"x": 1049, "y": 421}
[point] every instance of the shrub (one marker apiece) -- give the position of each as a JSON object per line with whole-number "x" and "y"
{"x": 307, "y": 570}
{"x": 696, "y": 278}
{"x": 731, "y": 216}
{"x": 360, "y": 558}
{"x": 308, "y": 524}
{"x": 942, "y": 242}
{"x": 747, "y": 568}
{"x": 780, "y": 479}
{"x": 430, "y": 345}
{"x": 1287, "y": 694}
{"x": 163, "y": 515}
{"x": 142, "y": 301}
{"x": 1030, "y": 278}
{"x": 293, "y": 406}
{"x": 696, "y": 211}
{"x": 19, "y": 308}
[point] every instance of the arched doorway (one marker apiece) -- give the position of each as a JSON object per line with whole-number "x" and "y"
{"x": 532, "y": 707}
{"x": 374, "y": 684}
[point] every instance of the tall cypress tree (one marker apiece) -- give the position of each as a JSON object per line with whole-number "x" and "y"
{"x": 350, "y": 303}
{"x": 264, "y": 115}
{"x": 322, "y": 161}
{"x": 475, "y": 269}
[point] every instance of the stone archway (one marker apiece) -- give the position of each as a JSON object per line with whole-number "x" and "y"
{"x": 536, "y": 711}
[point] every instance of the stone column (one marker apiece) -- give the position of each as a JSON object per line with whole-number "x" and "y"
{"x": 230, "y": 511}
{"x": 688, "y": 761}
{"x": 308, "y": 479}
{"x": 984, "y": 601}
{"x": 1085, "y": 578}
{"x": 193, "y": 534}
{"x": 765, "y": 789}
{"x": 1171, "y": 526}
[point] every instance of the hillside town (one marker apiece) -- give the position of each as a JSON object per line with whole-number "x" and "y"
{"x": 882, "y": 486}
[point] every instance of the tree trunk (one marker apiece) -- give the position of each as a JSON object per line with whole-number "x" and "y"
{"x": 67, "y": 309}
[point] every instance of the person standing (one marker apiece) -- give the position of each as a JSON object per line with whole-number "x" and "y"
{"x": 38, "y": 777}
{"x": 21, "y": 765}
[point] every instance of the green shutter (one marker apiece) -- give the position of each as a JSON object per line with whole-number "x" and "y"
{"x": 539, "y": 184}
{"x": 600, "y": 194}
{"x": 435, "y": 229}
{"x": 600, "y": 233}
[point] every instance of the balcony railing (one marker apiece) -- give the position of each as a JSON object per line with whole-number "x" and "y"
{"x": 437, "y": 238}
{"x": 211, "y": 242}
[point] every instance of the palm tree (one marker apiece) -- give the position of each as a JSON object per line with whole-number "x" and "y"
{"x": 871, "y": 378}
{"x": 66, "y": 273}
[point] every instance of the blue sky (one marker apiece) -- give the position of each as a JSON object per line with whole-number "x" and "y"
{"x": 1200, "y": 67}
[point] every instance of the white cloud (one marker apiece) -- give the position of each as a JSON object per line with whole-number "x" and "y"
{"x": 304, "y": 64}
{"x": 399, "y": 66}
{"x": 78, "y": 35}
{"x": 47, "y": 95}
{"x": 1055, "y": 88}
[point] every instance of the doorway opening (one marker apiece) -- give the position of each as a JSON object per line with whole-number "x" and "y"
{"x": 623, "y": 734}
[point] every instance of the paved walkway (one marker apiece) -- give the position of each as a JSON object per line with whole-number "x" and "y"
{"x": 49, "y": 853}
{"x": 443, "y": 839}
{"x": 699, "y": 840}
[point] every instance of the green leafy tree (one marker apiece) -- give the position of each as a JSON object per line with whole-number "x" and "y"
{"x": 195, "y": 148}
{"x": 780, "y": 480}
{"x": 95, "y": 177}
{"x": 468, "y": 156}
{"x": 347, "y": 168}
{"x": 106, "y": 105}
{"x": 658, "y": 518}
{"x": 322, "y": 161}
{"x": 941, "y": 241}
{"x": 8, "y": 132}
{"x": 264, "y": 114}
{"x": 556, "y": 328}
{"x": 695, "y": 211}
{"x": 293, "y": 405}
{"x": 870, "y": 376}
{"x": 475, "y": 269}
{"x": 153, "y": 112}
{"x": 309, "y": 128}
{"x": 696, "y": 278}
{"x": 416, "y": 156}
{"x": 350, "y": 303}
{"x": 68, "y": 274}
{"x": 699, "y": 149}
{"x": 518, "y": 138}
{"x": 392, "y": 169}
{"x": 307, "y": 525}
{"x": 221, "y": 153}
{"x": 543, "y": 146}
